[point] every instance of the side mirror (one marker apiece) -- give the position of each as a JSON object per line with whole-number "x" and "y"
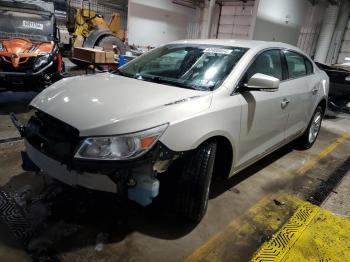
{"x": 263, "y": 83}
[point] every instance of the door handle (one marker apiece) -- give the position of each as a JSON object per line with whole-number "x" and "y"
{"x": 314, "y": 91}
{"x": 285, "y": 102}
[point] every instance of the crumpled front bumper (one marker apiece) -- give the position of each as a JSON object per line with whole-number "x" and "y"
{"x": 50, "y": 147}
{"x": 60, "y": 172}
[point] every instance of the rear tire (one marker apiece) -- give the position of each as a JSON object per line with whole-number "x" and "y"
{"x": 120, "y": 47}
{"x": 309, "y": 137}
{"x": 193, "y": 183}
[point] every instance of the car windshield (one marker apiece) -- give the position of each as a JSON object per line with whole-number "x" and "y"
{"x": 200, "y": 67}
{"x": 24, "y": 25}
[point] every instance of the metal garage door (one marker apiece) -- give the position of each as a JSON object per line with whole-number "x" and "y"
{"x": 345, "y": 46}
{"x": 310, "y": 29}
{"x": 235, "y": 20}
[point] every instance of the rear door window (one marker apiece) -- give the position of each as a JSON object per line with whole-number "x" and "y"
{"x": 296, "y": 64}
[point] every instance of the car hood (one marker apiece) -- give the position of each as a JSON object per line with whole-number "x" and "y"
{"x": 107, "y": 104}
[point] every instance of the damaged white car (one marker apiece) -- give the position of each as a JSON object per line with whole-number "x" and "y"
{"x": 190, "y": 110}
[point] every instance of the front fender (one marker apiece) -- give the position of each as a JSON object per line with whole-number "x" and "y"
{"x": 223, "y": 119}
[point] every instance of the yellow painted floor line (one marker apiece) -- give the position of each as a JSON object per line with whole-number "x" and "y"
{"x": 219, "y": 238}
{"x": 329, "y": 149}
{"x": 285, "y": 238}
{"x": 244, "y": 225}
{"x": 311, "y": 234}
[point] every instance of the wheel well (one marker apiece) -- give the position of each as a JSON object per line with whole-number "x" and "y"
{"x": 223, "y": 158}
{"x": 323, "y": 105}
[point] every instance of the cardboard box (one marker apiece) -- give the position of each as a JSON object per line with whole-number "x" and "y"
{"x": 93, "y": 55}
{"x": 109, "y": 57}
{"x": 89, "y": 55}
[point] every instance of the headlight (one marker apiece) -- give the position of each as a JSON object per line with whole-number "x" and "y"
{"x": 41, "y": 60}
{"x": 122, "y": 147}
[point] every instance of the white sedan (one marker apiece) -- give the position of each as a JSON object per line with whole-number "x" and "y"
{"x": 190, "y": 109}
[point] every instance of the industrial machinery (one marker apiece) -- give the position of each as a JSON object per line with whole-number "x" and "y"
{"x": 29, "y": 43}
{"x": 84, "y": 27}
{"x": 33, "y": 35}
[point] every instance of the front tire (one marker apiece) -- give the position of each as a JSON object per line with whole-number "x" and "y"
{"x": 193, "y": 183}
{"x": 307, "y": 140}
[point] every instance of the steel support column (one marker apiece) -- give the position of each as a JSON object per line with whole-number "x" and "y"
{"x": 211, "y": 10}
{"x": 326, "y": 34}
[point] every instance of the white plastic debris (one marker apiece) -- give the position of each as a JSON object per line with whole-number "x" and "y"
{"x": 100, "y": 240}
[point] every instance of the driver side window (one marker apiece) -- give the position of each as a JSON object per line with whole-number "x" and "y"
{"x": 267, "y": 63}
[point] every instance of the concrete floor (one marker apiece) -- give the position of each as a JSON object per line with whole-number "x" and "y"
{"x": 78, "y": 220}
{"x": 339, "y": 199}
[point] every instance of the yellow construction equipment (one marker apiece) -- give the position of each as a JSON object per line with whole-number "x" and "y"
{"x": 87, "y": 28}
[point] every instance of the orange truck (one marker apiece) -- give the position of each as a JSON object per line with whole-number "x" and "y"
{"x": 29, "y": 43}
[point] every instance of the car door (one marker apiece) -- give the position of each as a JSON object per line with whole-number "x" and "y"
{"x": 302, "y": 89}
{"x": 264, "y": 116}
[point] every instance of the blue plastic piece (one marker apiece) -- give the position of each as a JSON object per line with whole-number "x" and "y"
{"x": 146, "y": 189}
{"x": 121, "y": 60}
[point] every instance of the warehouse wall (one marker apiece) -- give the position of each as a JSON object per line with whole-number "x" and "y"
{"x": 340, "y": 44}
{"x": 311, "y": 28}
{"x": 345, "y": 47}
{"x": 279, "y": 20}
{"x": 156, "y": 22}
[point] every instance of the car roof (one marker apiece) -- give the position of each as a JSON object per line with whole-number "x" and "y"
{"x": 251, "y": 44}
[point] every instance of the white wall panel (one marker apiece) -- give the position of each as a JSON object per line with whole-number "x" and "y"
{"x": 156, "y": 22}
{"x": 279, "y": 20}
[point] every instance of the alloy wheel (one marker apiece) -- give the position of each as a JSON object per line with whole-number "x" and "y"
{"x": 315, "y": 126}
